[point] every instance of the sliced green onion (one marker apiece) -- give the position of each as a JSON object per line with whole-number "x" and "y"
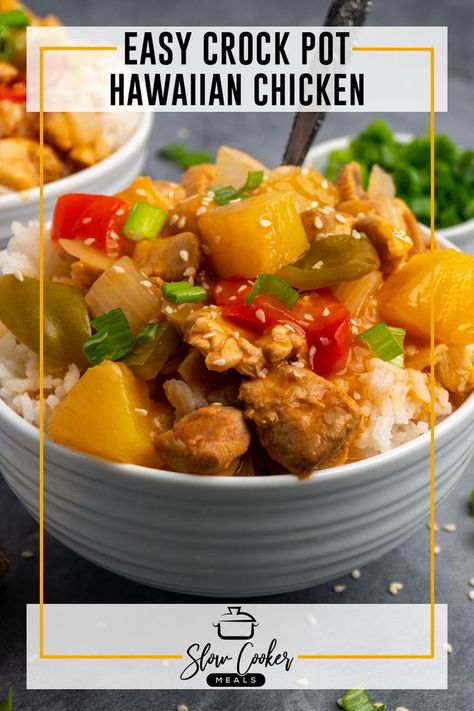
{"x": 148, "y": 357}
{"x": 224, "y": 195}
{"x": 272, "y": 285}
{"x": 113, "y": 338}
{"x": 472, "y": 502}
{"x": 7, "y": 704}
{"x": 144, "y": 222}
{"x": 14, "y": 18}
{"x": 7, "y": 45}
{"x": 147, "y": 333}
{"x": 357, "y": 700}
{"x": 386, "y": 342}
{"x": 179, "y": 154}
{"x": 181, "y": 292}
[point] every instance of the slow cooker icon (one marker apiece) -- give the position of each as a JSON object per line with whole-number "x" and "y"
{"x": 236, "y": 624}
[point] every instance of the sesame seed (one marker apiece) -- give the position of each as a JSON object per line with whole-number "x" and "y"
{"x": 210, "y": 194}
{"x": 265, "y": 223}
{"x": 314, "y": 204}
{"x": 241, "y": 288}
{"x": 211, "y": 334}
{"x": 190, "y": 271}
{"x": 232, "y": 298}
{"x": 324, "y": 341}
{"x": 471, "y": 582}
{"x": 236, "y": 334}
{"x": 182, "y": 707}
{"x": 318, "y": 265}
{"x": 324, "y": 184}
{"x": 27, "y": 555}
{"x": 86, "y": 220}
{"x": 297, "y": 364}
{"x": 325, "y": 210}
{"x": 145, "y": 282}
{"x": 120, "y": 211}
{"x": 308, "y": 317}
{"x": 401, "y": 708}
{"x": 156, "y": 422}
{"x": 302, "y": 682}
{"x": 356, "y": 395}
{"x": 114, "y": 236}
{"x": 318, "y": 223}
{"x": 140, "y": 191}
{"x": 206, "y": 201}
{"x": 356, "y": 574}
{"x": 339, "y": 588}
{"x": 471, "y": 594}
{"x": 231, "y": 202}
{"x": 117, "y": 268}
{"x": 341, "y": 218}
{"x": 304, "y": 171}
{"x": 437, "y": 550}
{"x": 218, "y": 289}
{"x": 356, "y": 235}
{"x": 394, "y": 588}
{"x": 201, "y": 210}
{"x": 169, "y": 309}
{"x": 312, "y": 352}
{"x": 448, "y": 648}
{"x": 18, "y": 275}
{"x": 173, "y": 219}
{"x": 220, "y": 362}
{"x": 312, "y": 619}
{"x": 89, "y": 241}
{"x": 141, "y": 411}
{"x": 449, "y": 527}
{"x": 181, "y": 221}
{"x": 184, "y": 254}
{"x": 260, "y": 315}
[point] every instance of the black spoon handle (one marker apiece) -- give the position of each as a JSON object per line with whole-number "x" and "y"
{"x": 306, "y": 124}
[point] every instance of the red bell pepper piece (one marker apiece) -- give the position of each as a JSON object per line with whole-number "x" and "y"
{"x": 323, "y": 320}
{"x": 97, "y": 217}
{"x": 13, "y": 92}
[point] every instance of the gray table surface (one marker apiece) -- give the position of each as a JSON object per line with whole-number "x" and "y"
{"x": 70, "y": 578}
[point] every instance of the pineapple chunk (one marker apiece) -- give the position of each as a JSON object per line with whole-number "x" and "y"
{"x": 232, "y": 167}
{"x": 257, "y": 235}
{"x": 311, "y": 189}
{"x": 107, "y": 414}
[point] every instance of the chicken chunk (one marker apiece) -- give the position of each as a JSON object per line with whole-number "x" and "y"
{"x": 302, "y": 420}
{"x": 321, "y": 221}
{"x": 172, "y": 258}
{"x": 19, "y": 163}
{"x": 209, "y": 441}
{"x": 390, "y": 243}
{"x": 222, "y": 345}
{"x": 283, "y": 343}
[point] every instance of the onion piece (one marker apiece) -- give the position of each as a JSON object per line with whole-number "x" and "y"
{"x": 380, "y": 183}
{"x": 355, "y": 294}
{"x": 124, "y": 286}
{"x": 91, "y": 258}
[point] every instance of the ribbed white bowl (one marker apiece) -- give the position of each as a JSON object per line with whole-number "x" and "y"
{"x": 234, "y": 536}
{"x": 108, "y": 176}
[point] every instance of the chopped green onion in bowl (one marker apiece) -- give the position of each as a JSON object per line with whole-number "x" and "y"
{"x": 409, "y": 165}
{"x": 180, "y": 155}
{"x": 144, "y": 222}
{"x": 385, "y": 342}
{"x": 182, "y": 292}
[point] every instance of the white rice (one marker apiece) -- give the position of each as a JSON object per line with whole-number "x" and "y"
{"x": 395, "y": 403}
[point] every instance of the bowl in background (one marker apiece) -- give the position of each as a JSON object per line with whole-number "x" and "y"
{"x": 231, "y": 536}
{"x": 462, "y": 235}
{"x": 108, "y": 176}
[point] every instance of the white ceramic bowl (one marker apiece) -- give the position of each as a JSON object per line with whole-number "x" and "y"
{"x": 234, "y": 537}
{"x": 108, "y": 176}
{"x": 462, "y": 235}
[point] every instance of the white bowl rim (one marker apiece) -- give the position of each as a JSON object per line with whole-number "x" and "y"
{"x": 325, "y": 147}
{"x": 134, "y": 471}
{"x": 82, "y": 178}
